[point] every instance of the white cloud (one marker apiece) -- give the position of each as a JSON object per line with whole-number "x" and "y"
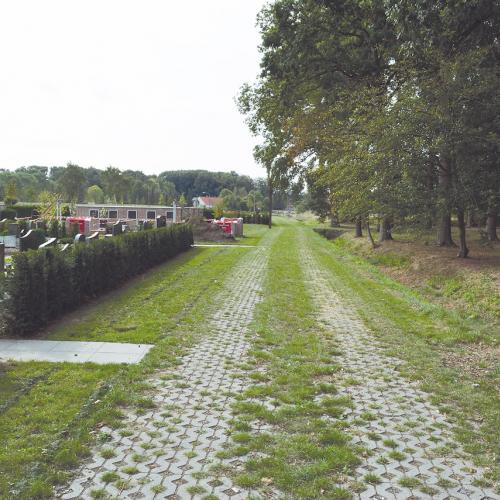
{"x": 146, "y": 85}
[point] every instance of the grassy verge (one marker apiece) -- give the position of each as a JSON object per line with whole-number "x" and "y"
{"x": 50, "y": 413}
{"x": 302, "y": 449}
{"x": 427, "y": 337}
{"x": 470, "y": 287}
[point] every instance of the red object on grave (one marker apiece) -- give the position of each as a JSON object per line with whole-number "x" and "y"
{"x": 80, "y": 221}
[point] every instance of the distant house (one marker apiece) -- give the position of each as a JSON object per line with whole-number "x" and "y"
{"x": 206, "y": 201}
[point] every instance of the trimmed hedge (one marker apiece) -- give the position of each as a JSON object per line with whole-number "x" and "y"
{"x": 248, "y": 217}
{"x": 48, "y": 283}
{"x": 25, "y": 210}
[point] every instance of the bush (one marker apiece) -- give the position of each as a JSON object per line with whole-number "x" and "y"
{"x": 44, "y": 284}
{"x": 248, "y": 217}
{"x": 25, "y": 210}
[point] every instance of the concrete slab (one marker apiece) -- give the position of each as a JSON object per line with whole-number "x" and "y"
{"x": 60, "y": 351}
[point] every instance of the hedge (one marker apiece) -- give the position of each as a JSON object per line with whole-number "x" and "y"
{"x": 24, "y": 210}
{"x": 45, "y": 284}
{"x": 248, "y": 217}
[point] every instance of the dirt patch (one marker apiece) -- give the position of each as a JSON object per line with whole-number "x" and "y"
{"x": 471, "y": 285}
{"x": 477, "y": 361}
{"x": 206, "y": 231}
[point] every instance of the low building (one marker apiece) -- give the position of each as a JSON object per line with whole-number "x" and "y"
{"x": 206, "y": 201}
{"x": 115, "y": 212}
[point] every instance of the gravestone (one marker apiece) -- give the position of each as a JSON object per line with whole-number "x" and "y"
{"x": 13, "y": 229}
{"x": 2, "y": 257}
{"x": 161, "y": 221}
{"x": 93, "y": 236}
{"x": 117, "y": 228}
{"x": 51, "y": 242}
{"x": 65, "y": 247}
{"x": 31, "y": 240}
{"x": 80, "y": 238}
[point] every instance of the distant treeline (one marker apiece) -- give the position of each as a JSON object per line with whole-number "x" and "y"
{"x": 79, "y": 184}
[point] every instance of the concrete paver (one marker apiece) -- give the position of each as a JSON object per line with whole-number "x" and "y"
{"x": 169, "y": 451}
{"x": 412, "y": 450}
{"x": 59, "y": 351}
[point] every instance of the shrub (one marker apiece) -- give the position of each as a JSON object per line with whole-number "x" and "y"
{"x": 248, "y": 217}
{"x": 25, "y": 210}
{"x": 44, "y": 284}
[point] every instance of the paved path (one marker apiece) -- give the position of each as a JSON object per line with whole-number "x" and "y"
{"x": 59, "y": 351}
{"x": 391, "y": 417}
{"x": 168, "y": 452}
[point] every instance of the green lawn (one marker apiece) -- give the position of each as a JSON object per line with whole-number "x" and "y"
{"x": 47, "y": 410}
{"x": 50, "y": 414}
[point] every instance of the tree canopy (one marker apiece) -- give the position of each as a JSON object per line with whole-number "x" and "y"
{"x": 387, "y": 108}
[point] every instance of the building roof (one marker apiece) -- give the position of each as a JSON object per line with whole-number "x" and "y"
{"x": 210, "y": 200}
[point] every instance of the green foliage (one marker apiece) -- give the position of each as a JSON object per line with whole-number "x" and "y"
{"x": 25, "y": 210}
{"x": 248, "y": 217}
{"x": 386, "y": 108}
{"x": 95, "y": 194}
{"x": 44, "y": 284}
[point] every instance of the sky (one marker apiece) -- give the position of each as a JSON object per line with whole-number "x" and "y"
{"x": 146, "y": 85}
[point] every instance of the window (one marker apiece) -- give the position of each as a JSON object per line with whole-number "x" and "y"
{"x": 170, "y": 215}
{"x": 113, "y": 214}
{"x": 151, "y": 214}
{"x": 132, "y": 214}
{"x": 94, "y": 213}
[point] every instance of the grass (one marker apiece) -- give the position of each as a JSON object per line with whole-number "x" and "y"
{"x": 470, "y": 287}
{"x": 48, "y": 411}
{"x": 424, "y": 335}
{"x": 307, "y": 450}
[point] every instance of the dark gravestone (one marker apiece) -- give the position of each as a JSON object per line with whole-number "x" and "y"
{"x": 117, "y": 228}
{"x": 2, "y": 257}
{"x": 31, "y": 240}
{"x": 161, "y": 221}
{"x": 13, "y": 229}
{"x": 51, "y": 242}
{"x": 80, "y": 238}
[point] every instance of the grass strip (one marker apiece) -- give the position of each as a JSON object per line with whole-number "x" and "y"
{"x": 304, "y": 452}
{"x": 76, "y": 400}
{"x": 422, "y": 334}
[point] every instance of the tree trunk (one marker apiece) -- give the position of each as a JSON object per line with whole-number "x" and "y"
{"x": 359, "y": 228}
{"x": 370, "y": 234}
{"x": 430, "y": 215}
{"x": 270, "y": 195}
{"x": 463, "y": 250}
{"x": 385, "y": 230}
{"x": 491, "y": 226}
{"x": 444, "y": 230}
{"x": 470, "y": 218}
{"x": 334, "y": 220}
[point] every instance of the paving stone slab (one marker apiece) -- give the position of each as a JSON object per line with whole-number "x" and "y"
{"x": 59, "y": 351}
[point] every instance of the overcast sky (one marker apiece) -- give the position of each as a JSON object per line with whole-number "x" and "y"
{"x": 146, "y": 85}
